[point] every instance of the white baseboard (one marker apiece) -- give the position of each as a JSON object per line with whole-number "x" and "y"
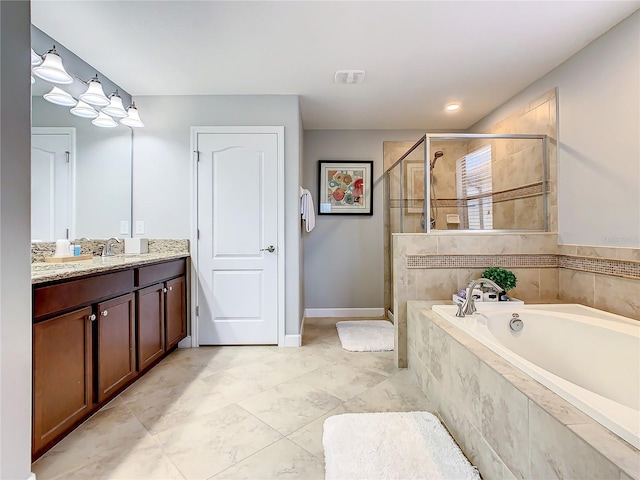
{"x": 344, "y": 312}
{"x": 186, "y": 342}
{"x": 292, "y": 341}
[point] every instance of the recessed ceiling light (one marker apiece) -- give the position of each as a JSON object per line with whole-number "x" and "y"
{"x": 452, "y": 107}
{"x": 349, "y": 76}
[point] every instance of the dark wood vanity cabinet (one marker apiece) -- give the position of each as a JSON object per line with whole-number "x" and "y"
{"x": 62, "y": 374}
{"x": 116, "y": 362}
{"x": 150, "y": 305}
{"x": 175, "y": 311}
{"x": 95, "y": 335}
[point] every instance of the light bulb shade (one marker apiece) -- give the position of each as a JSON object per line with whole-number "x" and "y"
{"x": 60, "y": 97}
{"x": 115, "y": 107}
{"x": 35, "y": 58}
{"x": 52, "y": 70}
{"x": 94, "y": 94}
{"x": 84, "y": 110}
{"x": 104, "y": 120}
{"x": 133, "y": 118}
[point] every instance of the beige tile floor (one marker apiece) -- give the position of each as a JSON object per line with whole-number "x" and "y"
{"x": 232, "y": 412}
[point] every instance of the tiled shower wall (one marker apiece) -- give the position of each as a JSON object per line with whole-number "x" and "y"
{"x": 516, "y": 163}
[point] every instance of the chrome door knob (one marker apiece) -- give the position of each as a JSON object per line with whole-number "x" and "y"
{"x": 269, "y": 249}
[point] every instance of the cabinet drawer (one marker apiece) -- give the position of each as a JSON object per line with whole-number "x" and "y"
{"x": 67, "y": 295}
{"x": 158, "y": 272}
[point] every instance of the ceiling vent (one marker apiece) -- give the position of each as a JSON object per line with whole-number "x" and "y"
{"x": 349, "y": 76}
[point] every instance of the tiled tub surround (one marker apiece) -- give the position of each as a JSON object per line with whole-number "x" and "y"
{"x": 606, "y": 278}
{"x": 162, "y": 250}
{"x": 39, "y": 250}
{"x": 537, "y": 278}
{"x": 508, "y": 424}
{"x": 433, "y": 266}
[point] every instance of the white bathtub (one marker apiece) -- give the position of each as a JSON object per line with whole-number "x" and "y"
{"x": 589, "y": 357}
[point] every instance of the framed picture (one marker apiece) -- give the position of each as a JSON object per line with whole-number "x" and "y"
{"x": 414, "y": 186}
{"x": 345, "y": 187}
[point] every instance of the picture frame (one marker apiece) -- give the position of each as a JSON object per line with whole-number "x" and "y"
{"x": 414, "y": 186}
{"x": 345, "y": 187}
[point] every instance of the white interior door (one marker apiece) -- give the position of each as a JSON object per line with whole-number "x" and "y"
{"x": 237, "y": 266}
{"x": 51, "y": 184}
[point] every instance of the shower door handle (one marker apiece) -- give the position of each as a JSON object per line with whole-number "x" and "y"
{"x": 269, "y": 249}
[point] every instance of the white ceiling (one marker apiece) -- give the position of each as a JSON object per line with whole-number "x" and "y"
{"x": 418, "y": 55}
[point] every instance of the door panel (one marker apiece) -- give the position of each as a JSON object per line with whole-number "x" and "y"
{"x": 62, "y": 375}
{"x": 50, "y": 185}
{"x": 237, "y": 219}
{"x": 150, "y": 306}
{"x": 176, "y": 312}
{"x": 116, "y": 345}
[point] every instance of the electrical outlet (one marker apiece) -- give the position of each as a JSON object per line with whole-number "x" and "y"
{"x": 124, "y": 227}
{"x": 139, "y": 227}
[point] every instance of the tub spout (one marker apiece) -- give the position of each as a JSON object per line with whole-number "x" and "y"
{"x": 468, "y": 306}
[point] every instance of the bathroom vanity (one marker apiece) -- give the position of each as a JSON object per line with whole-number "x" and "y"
{"x": 97, "y": 326}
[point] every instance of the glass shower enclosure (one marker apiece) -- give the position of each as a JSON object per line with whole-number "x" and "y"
{"x": 454, "y": 182}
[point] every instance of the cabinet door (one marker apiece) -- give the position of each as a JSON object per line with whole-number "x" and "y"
{"x": 150, "y": 306}
{"x": 176, "y": 311}
{"x": 62, "y": 375}
{"x": 116, "y": 345}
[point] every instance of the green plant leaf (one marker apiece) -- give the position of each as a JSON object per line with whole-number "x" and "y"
{"x": 503, "y": 277}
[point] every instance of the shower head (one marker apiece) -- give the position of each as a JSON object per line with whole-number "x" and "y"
{"x": 436, "y": 156}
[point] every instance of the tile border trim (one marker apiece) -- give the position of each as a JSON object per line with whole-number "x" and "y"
{"x": 602, "y": 266}
{"x": 482, "y": 261}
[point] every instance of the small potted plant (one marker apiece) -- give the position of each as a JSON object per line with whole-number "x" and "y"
{"x": 503, "y": 277}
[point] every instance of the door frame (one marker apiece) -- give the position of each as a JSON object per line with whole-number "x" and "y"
{"x": 280, "y": 243}
{"x": 71, "y": 131}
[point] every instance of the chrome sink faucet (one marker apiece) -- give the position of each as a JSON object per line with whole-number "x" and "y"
{"x": 468, "y": 306}
{"x": 107, "y": 249}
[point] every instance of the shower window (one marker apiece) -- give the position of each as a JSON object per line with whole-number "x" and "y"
{"x": 474, "y": 189}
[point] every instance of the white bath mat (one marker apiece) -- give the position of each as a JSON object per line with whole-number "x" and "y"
{"x": 399, "y": 445}
{"x": 366, "y": 335}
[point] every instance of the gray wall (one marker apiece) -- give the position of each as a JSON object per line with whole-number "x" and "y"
{"x": 599, "y": 150}
{"x": 162, "y": 167}
{"x": 343, "y": 255}
{"x": 15, "y": 274}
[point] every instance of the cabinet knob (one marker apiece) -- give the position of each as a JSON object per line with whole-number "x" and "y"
{"x": 104, "y": 313}
{"x": 164, "y": 290}
{"x": 91, "y": 317}
{"x": 170, "y": 288}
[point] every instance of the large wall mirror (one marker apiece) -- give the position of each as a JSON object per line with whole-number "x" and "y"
{"x": 81, "y": 173}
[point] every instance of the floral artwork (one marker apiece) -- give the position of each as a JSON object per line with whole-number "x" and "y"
{"x": 345, "y": 187}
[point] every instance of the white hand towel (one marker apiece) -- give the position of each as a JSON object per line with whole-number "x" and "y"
{"x": 307, "y": 209}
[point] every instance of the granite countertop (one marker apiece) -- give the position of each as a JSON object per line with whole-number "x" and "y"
{"x": 46, "y": 272}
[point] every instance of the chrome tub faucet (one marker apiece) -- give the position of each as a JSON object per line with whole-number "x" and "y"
{"x": 468, "y": 306}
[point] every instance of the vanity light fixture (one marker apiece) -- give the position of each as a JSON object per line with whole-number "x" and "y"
{"x": 452, "y": 107}
{"x": 94, "y": 95}
{"x": 115, "y": 107}
{"x": 51, "y": 69}
{"x": 84, "y": 110}
{"x": 104, "y": 120}
{"x": 35, "y": 58}
{"x": 60, "y": 97}
{"x": 133, "y": 117}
